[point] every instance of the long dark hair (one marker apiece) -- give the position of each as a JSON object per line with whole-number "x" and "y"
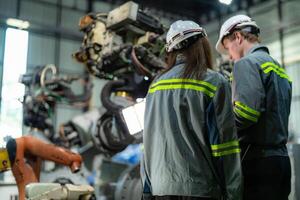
{"x": 198, "y": 58}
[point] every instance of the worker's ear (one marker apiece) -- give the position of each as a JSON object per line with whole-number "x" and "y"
{"x": 238, "y": 36}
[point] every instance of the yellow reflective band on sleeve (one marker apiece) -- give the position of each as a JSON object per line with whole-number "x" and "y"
{"x": 282, "y": 75}
{"x": 244, "y": 115}
{"x": 4, "y": 160}
{"x": 247, "y": 108}
{"x": 209, "y": 85}
{"x": 228, "y": 152}
{"x": 269, "y": 66}
{"x": 185, "y": 86}
{"x": 191, "y": 84}
{"x": 225, "y": 148}
{"x": 224, "y": 145}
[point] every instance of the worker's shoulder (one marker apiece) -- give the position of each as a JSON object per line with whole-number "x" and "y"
{"x": 255, "y": 58}
{"x": 215, "y": 78}
{"x": 250, "y": 62}
{"x": 211, "y": 77}
{"x": 174, "y": 72}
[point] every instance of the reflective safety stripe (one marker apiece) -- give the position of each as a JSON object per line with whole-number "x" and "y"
{"x": 225, "y": 145}
{"x": 172, "y": 87}
{"x": 171, "y": 84}
{"x": 282, "y": 75}
{"x": 246, "y": 112}
{"x": 225, "y": 148}
{"x": 245, "y": 107}
{"x": 180, "y": 80}
{"x": 269, "y": 66}
{"x": 228, "y": 152}
{"x": 245, "y": 115}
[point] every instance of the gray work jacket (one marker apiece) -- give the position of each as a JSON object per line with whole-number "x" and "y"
{"x": 190, "y": 140}
{"x": 262, "y": 94}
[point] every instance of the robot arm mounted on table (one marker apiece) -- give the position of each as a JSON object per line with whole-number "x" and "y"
{"x": 25, "y": 155}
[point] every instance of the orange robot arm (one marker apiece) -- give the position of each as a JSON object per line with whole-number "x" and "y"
{"x": 25, "y": 155}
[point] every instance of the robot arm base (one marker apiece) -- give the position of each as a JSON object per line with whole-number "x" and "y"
{"x": 40, "y": 191}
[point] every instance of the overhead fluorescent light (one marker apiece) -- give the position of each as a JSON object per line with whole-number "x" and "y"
{"x": 17, "y": 23}
{"x": 227, "y": 2}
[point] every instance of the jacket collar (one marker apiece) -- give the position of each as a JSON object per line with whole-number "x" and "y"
{"x": 258, "y": 47}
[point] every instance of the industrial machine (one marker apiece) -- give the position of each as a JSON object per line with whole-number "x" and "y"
{"x": 44, "y": 89}
{"x": 125, "y": 47}
{"x": 25, "y": 156}
{"x": 42, "y": 191}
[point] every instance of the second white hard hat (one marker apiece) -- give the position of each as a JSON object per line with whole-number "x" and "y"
{"x": 230, "y": 24}
{"x": 180, "y": 31}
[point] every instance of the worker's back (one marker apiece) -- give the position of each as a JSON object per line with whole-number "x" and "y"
{"x": 271, "y": 104}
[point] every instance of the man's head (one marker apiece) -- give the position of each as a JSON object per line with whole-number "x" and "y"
{"x": 237, "y": 35}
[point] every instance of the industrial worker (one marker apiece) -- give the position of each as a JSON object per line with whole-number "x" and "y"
{"x": 261, "y": 95}
{"x": 191, "y": 149}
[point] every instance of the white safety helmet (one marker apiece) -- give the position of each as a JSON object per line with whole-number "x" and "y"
{"x": 233, "y": 23}
{"x": 180, "y": 31}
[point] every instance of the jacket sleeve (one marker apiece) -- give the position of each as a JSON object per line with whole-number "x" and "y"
{"x": 248, "y": 94}
{"x": 225, "y": 149}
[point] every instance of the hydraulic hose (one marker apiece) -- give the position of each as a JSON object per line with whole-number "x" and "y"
{"x": 106, "y": 93}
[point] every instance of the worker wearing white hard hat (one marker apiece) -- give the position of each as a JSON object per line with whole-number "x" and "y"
{"x": 190, "y": 143}
{"x": 238, "y": 22}
{"x": 261, "y": 100}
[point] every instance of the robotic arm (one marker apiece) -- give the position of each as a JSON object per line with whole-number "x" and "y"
{"x": 44, "y": 89}
{"x": 25, "y": 155}
{"x": 125, "y": 47}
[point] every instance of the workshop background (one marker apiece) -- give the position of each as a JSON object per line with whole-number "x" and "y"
{"x": 51, "y": 35}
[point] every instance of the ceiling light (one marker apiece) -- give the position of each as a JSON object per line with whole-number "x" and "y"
{"x": 17, "y": 23}
{"x": 227, "y": 2}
